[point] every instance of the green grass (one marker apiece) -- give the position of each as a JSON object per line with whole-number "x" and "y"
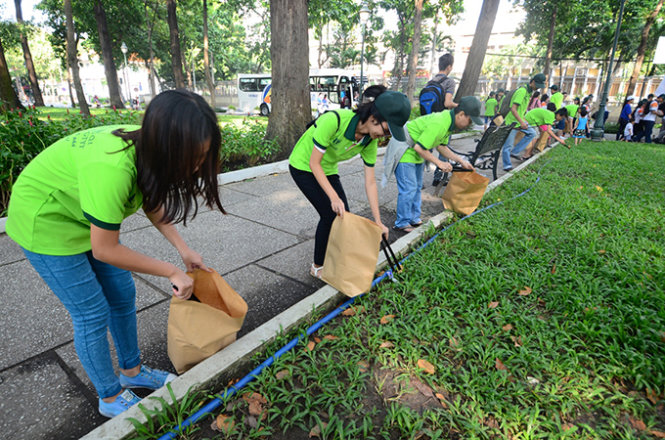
{"x": 580, "y": 354}
{"x": 60, "y": 114}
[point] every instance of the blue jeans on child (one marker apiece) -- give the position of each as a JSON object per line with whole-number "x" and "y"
{"x": 98, "y": 297}
{"x": 509, "y": 149}
{"x": 409, "y": 178}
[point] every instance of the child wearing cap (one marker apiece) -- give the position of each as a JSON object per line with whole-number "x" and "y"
{"x": 337, "y": 136}
{"x": 422, "y": 134}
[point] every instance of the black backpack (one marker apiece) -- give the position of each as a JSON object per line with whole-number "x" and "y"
{"x": 431, "y": 98}
{"x": 313, "y": 121}
{"x": 505, "y": 104}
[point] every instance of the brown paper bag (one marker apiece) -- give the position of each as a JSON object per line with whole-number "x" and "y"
{"x": 352, "y": 254}
{"x": 464, "y": 191}
{"x": 198, "y": 329}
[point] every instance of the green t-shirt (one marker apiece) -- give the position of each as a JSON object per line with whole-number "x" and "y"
{"x": 539, "y": 116}
{"x": 521, "y": 98}
{"x": 490, "y": 105}
{"x": 429, "y": 131}
{"x": 336, "y": 140}
{"x": 572, "y": 110}
{"x": 557, "y": 99}
{"x": 81, "y": 179}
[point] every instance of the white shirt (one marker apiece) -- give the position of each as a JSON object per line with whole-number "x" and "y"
{"x": 628, "y": 131}
{"x": 653, "y": 108}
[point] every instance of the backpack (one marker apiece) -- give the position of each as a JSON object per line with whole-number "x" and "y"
{"x": 505, "y": 104}
{"x": 313, "y": 121}
{"x": 431, "y": 98}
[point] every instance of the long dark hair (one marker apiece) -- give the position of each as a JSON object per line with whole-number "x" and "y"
{"x": 169, "y": 146}
{"x": 367, "y": 108}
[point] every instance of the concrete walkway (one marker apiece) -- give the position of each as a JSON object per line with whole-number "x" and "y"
{"x": 263, "y": 248}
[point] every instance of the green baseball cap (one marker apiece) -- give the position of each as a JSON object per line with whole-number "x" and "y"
{"x": 539, "y": 79}
{"x": 395, "y": 109}
{"x": 470, "y": 105}
{"x": 554, "y": 87}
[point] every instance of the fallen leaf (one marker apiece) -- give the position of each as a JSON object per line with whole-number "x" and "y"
{"x": 442, "y": 399}
{"x": 251, "y": 421}
{"x": 602, "y": 251}
{"x": 499, "y": 365}
{"x": 525, "y": 291}
{"x": 223, "y": 423}
{"x": 567, "y": 426}
{"x": 317, "y": 340}
{"x": 637, "y": 424}
{"x": 330, "y": 338}
{"x": 310, "y": 345}
{"x": 387, "y": 318}
{"x": 507, "y": 327}
{"x": 553, "y": 271}
{"x": 316, "y": 431}
{"x": 349, "y": 312}
{"x": 452, "y": 342}
{"x": 517, "y": 340}
{"x": 424, "y": 389}
{"x": 532, "y": 381}
{"x": 282, "y": 374}
{"x": 426, "y": 366}
{"x": 581, "y": 187}
{"x": 652, "y": 396}
{"x": 491, "y": 422}
{"x": 386, "y": 344}
{"x": 599, "y": 188}
{"x": 363, "y": 366}
{"x": 256, "y": 402}
{"x": 662, "y": 336}
{"x": 657, "y": 434}
{"x": 493, "y": 304}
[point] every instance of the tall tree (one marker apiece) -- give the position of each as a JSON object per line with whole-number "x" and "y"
{"x": 474, "y": 62}
{"x": 550, "y": 42}
{"x": 32, "y": 75}
{"x": 415, "y": 48}
{"x": 7, "y": 95}
{"x": 291, "y": 108}
{"x": 206, "y": 57}
{"x": 641, "y": 49}
{"x": 176, "y": 54}
{"x": 72, "y": 58}
{"x": 107, "y": 54}
{"x": 150, "y": 24}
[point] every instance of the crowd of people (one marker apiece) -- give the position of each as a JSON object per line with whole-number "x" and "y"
{"x": 86, "y": 184}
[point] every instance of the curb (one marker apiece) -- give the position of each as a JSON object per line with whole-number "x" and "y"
{"x": 229, "y": 362}
{"x": 260, "y": 171}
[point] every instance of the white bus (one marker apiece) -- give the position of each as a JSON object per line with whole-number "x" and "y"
{"x": 254, "y": 90}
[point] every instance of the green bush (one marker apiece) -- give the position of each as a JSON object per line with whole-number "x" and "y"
{"x": 611, "y": 128}
{"x": 245, "y": 146}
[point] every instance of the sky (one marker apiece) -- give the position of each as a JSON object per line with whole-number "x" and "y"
{"x": 7, "y": 11}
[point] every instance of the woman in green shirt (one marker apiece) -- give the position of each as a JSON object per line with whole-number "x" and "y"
{"x": 490, "y": 106}
{"x": 337, "y": 136}
{"x": 66, "y": 209}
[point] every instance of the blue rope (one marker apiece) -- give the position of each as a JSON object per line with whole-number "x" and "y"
{"x": 231, "y": 391}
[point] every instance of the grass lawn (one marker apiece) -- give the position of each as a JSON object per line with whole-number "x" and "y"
{"x": 59, "y": 114}
{"x": 541, "y": 318}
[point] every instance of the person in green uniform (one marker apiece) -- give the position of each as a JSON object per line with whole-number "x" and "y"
{"x": 490, "y": 108}
{"x": 573, "y": 109}
{"x": 556, "y": 96}
{"x": 544, "y": 118}
{"x": 423, "y": 134}
{"x": 66, "y": 209}
{"x": 518, "y": 108}
{"x": 337, "y": 136}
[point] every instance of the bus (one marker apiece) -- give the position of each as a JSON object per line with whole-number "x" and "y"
{"x": 254, "y": 90}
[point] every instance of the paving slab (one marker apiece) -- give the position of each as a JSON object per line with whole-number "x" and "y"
{"x": 38, "y": 400}
{"x": 226, "y": 243}
{"x": 294, "y": 262}
{"x": 9, "y": 250}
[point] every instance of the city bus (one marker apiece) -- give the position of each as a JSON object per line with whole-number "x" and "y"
{"x": 254, "y": 90}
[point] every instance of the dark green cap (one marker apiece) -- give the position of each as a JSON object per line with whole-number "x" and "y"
{"x": 470, "y": 105}
{"x": 395, "y": 109}
{"x": 554, "y": 87}
{"x": 539, "y": 79}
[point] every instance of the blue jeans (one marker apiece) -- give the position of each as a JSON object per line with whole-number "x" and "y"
{"x": 646, "y": 132}
{"x": 409, "y": 178}
{"x": 509, "y": 149}
{"x": 98, "y": 297}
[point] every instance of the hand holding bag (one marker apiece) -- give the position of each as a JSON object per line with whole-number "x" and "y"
{"x": 352, "y": 254}
{"x": 204, "y": 324}
{"x": 464, "y": 191}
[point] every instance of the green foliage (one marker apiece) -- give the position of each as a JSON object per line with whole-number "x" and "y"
{"x": 245, "y": 146}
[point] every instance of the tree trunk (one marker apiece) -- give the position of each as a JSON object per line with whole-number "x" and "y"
{"x": 206, "y": 58}
{"x": 8, "y": 98}
{"x": 69, "y": 83}
{"x": 433, "y": 61}
{"x": 550, "y": 43}
{"x": 641, "y": 49}
{"x": 151, "y": 59}
{"x": 72, "y": 58}
{"x": 291, "y": 109}
{"x": 34, "y": 84}
{"x": 474, "y": 62}
{"x": 176, "y": 55}
{"x": 107, "y": 55}
{"x": 415, "y": 49}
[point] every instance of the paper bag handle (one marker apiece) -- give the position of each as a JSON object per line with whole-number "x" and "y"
{"x": 391, "y": 259}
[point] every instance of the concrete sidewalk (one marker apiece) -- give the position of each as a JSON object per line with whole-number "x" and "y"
{"x": 263, "y": 248}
